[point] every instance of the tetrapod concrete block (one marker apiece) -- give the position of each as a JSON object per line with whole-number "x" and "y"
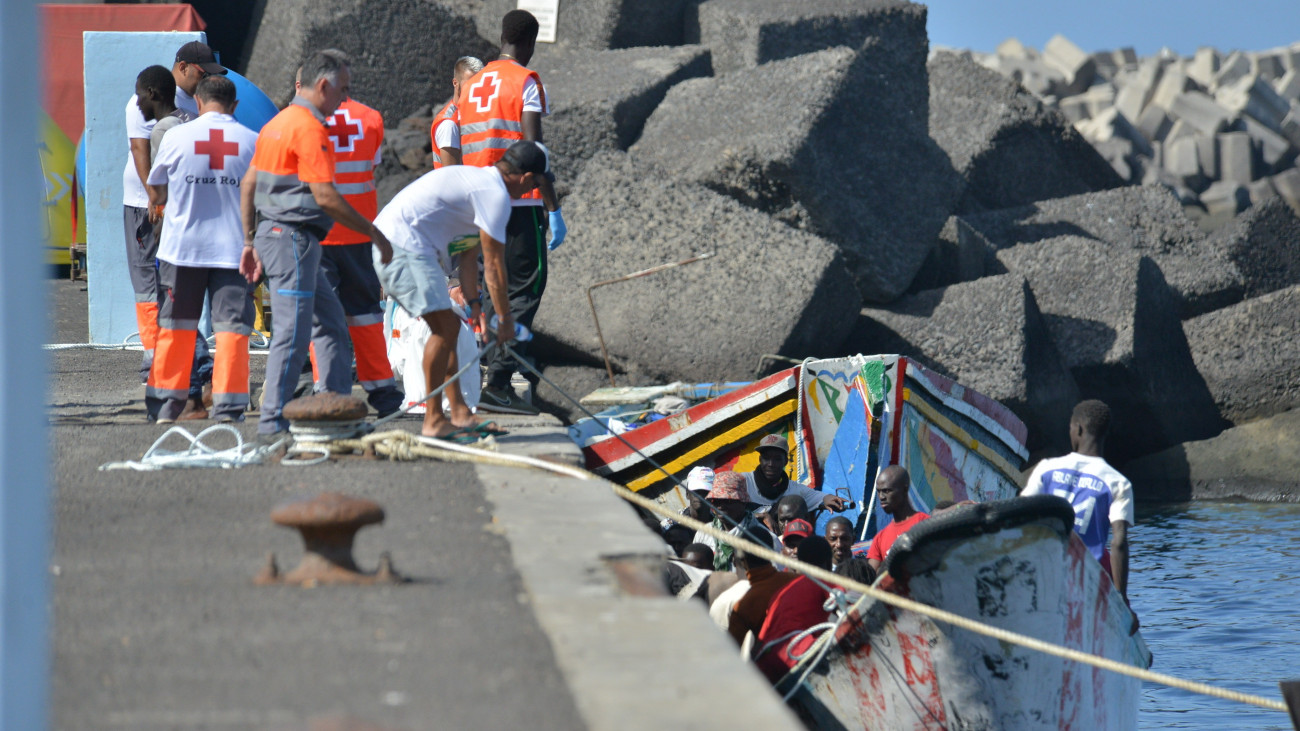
{"x": 602, "y": 99}
{"x": 768, "y": 289}
{"x": 1008, "y": 147}
{"x": 422, "y": 39}
{"x": 1115, "y": 323}
{"x": 797, "y": 151}
{"x": 1249, "y": 355}
{"x": 747, "y": 33}
{"x": 990, "y": 336}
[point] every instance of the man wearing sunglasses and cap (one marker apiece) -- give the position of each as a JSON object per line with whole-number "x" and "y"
{"x": 194, "y": 61}
{"x": 444, "y": 219}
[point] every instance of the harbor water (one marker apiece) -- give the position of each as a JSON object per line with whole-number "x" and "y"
{"x": 1217, "y": 587}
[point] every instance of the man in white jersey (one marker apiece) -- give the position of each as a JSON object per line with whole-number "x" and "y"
{"x": 441, "y": 219}
{"x": 1101, "y": 496}
{"x": 194, "y": 60}
{"x": 197, "y": 175}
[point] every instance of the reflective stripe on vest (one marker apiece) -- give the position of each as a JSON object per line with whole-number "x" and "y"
{"x": 491, "y": 107}
{"x": 356, "y": 132}
{"x": 448, "y": 111}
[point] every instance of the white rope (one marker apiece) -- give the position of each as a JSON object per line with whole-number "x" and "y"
{"x": 198, "y": 453}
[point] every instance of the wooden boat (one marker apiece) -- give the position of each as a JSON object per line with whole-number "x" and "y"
{"x": 844, "y": 418}
{"x": 1011, "y": 563}
{"x": 1014, "y": 564}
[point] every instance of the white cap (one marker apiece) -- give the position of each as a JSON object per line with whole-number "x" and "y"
{"x": 700, "y": 478}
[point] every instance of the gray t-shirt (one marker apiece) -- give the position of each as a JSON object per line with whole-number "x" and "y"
{"x": 180, "y": 116}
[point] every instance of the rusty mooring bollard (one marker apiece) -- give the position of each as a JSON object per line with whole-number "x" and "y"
{"x": 328, "y": 523}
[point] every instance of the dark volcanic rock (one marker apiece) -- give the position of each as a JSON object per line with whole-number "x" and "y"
{"x": 402, "y": 50}
{"x": 404, "y": 155}
{"x": 748, "y": 33}
{"x": 600, "y": 100}
{"x": 1008, "y": 147}
{"x": 1146, "y": 220}
{"x": 990, "y": 336}
{"x": 1256, "y": 461}
{"x": 1264, "y": 244}
{"x": 1249, "y": 355}
{"x": 768, "y": 289}
{"x": 593, "y": 24}
{"x": 807, "y": 149}
{"x": 1115, "y": 322}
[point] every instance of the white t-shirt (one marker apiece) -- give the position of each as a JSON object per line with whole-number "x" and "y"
{"x": 722, "y": 607}
{"x": 447, "y": 134}
{"x": 1088, "y": 483}
{"x": 533, "y": 99}
{"x": 440, "y": 214}
{"x": 137, "y": 128}
{"x": 202, "y": 163}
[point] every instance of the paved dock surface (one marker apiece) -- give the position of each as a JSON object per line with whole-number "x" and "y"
{"x": 513, "y": 617}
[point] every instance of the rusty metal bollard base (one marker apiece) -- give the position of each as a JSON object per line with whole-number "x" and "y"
{"x": 316, "y": 570}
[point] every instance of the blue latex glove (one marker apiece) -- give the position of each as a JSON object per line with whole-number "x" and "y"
{"x": 558, "y": 230}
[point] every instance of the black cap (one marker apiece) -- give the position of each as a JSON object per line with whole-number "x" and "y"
{"x": 198, "y": 53}
{"x": 530, "y": 157}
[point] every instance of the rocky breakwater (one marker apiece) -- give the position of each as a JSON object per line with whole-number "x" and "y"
{"x": 1222, "y": 129}
{"x": 961, "y": 217}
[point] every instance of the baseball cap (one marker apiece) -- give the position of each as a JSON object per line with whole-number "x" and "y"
{"x": 797, "y": 527}
{"x": 774, "y": 441}
{"x": 199, "y": 54}
{"x": 530, "y": 157}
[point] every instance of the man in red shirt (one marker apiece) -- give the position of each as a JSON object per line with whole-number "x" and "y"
{"x": 892, "y": 488}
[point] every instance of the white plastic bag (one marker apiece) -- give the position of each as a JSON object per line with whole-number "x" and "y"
{"x": 407, "y": 336}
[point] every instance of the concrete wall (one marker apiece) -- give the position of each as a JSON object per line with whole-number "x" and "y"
{"x": 113, "y": 60}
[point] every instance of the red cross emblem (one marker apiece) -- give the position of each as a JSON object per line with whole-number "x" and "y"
{"x": 216, "y": 148}
{"x": 484, "y": 91}
{"x": 344, "y": 131}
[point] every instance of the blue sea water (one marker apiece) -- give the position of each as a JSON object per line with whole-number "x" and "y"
{"x": 1217, "y": 587}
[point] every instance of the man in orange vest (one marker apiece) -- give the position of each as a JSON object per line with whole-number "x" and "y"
{"x": 500, "y": 105}
{"x": 357, "y": 132}
{"x": 444, "y": 133}
{"x": 289, "y": 203}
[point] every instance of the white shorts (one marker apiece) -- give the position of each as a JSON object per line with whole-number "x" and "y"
{"x": 416, "y": 281}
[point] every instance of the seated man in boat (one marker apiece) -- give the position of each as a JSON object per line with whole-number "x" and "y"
{"x": 769, "y": 482}
{"x": 788, "y": 508}
{"x": 892, "y": 488}
{"x": 1101, "y": 496}
{"x": 730, "y": 498}
{"x": 794, "y": 533}
{"x": 750, "y": 611}
{"x": 800, "y": 605}
{"x": 839, "y": 533}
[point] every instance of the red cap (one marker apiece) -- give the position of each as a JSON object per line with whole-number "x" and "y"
{"x": 797, "y": 527}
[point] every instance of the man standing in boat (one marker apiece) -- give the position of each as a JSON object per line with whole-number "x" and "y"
{"x": 769, "y": 482}
{"x": 1101, "y": 496}
{"x": 893, "y": 487}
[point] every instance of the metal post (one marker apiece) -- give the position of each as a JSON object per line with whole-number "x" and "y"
{"x": 24, "y": 494}
{"x": 609, "y": 369}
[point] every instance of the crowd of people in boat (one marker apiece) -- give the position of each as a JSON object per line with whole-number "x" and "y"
{"x": 763, "y": 606}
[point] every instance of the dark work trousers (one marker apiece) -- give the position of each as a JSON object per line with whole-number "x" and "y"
{"x": 349, "y": 270}
{"x": 525, "y": 283}
{"x": 170, "y": 380}
{"x": 142, "y": 266}
{"x": 305, "y": 314}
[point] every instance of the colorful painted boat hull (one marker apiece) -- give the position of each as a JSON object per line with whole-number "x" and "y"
{"x": 895, "y": 669}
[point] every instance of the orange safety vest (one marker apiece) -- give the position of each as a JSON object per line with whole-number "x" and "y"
{"x": 357, "y": 131}
{"x": 491, "y": 107}
{"x": 448, "y": 111}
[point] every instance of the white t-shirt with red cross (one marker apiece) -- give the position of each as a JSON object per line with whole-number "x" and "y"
{"x": 202, "y": 163}
{"x": 138, "y": 128}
